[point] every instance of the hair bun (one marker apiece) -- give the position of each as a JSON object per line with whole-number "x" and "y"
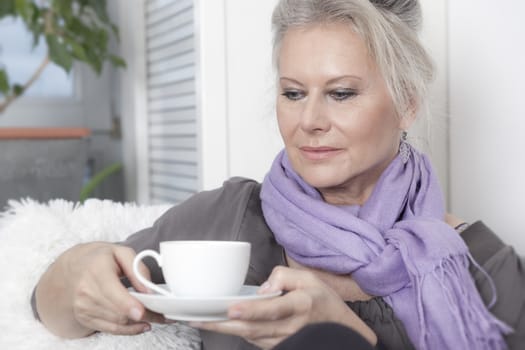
{"x": 409, "y": 11}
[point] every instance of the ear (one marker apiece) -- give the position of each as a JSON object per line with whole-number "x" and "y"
{"x": 409, "y": 117}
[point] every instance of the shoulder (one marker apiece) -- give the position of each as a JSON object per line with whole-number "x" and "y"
{"x": 234, "y": 188}
{"x": 240, "y": 186}
{"x": 228, "y": 200}
{"x": 208, "y": 215}
{"x": 507, "y": 275}
{"x": 482, "y": 242}
{"x": 213, "y": 208}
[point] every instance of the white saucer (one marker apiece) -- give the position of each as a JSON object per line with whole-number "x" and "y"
{"x": 197, "y": 308}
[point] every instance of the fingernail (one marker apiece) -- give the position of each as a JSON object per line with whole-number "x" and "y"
{"x": 234, "y": 314}
{"x": 146, "y": 328}
{"x": 135, "y": 314}
{"x": 264, "y": 287}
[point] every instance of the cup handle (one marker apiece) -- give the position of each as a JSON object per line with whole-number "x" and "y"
{"x": 141, "y": 278}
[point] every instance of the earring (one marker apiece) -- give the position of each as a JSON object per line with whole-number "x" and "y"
{"x": 404, "y": 147}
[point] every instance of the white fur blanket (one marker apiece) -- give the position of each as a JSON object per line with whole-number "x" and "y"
{"x": 32, "y": 235}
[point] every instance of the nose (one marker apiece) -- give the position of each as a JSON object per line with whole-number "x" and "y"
{"x": 314, "y": 118}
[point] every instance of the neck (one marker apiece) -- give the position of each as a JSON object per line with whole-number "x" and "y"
{"x": 357, "y": 190}
{"x": 343, "y": 195}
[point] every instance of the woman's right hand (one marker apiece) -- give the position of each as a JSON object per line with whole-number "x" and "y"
{"x": 81, "y": 293}
{"x": 307, "y": 300}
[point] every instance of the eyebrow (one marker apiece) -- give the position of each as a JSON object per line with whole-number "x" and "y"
{"x": 333, "y": 80}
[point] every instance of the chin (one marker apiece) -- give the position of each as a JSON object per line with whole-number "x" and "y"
{"x": 321, "y": 179}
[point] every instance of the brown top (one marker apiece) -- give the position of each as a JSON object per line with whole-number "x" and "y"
{"x": 43, "y": 133}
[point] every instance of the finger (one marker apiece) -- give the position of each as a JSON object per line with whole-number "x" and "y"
{"x": 270, "y": 309}
{"x": 119, "y": 329}
{"x": 100, "y": 318}
{"x": 153, "y": 317}
{"x": 115, "y": 297}
{"x": 104, "y": 310}
{"x": 124, "y": 257}
{"x": 107, "y": 312}
{"x": 266, "y": 343}
{"x": 114, "y": 308}
{"x": 91, "y": 300}
{"x": 250, "y": 330}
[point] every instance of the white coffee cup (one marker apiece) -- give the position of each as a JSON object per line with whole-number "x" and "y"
{"x": 199, "y": 268}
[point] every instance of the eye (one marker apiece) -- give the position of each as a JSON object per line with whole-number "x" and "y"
{"x": 342, "y": 94}
{"x": 293, "y": 95}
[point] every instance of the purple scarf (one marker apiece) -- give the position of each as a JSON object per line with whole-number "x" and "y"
{"x": 396, "y": 246}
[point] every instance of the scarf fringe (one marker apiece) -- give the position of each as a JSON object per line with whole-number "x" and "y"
{"x": 476, "y": 327}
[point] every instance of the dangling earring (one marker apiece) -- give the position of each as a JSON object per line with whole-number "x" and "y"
{"x": 404, "y": 147}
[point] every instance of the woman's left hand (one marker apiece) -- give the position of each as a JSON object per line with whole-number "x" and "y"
{"x": 267, "y": 322}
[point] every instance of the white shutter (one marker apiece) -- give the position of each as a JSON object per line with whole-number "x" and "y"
{"x": 171, "y": 100}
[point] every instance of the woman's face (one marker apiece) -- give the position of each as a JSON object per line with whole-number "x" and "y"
{"x": 335, "y": 114}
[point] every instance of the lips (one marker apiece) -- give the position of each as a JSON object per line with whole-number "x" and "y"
{"x": 319, "y": 153}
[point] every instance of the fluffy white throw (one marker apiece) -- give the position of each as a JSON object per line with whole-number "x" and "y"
{"x": 32, "y": 234}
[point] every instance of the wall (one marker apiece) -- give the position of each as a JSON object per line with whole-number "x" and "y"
{"x": 431, "y": 134}
{"x": 132, "y": 98}
{"x": 253, "y": 134}
{"x": 487, "y": 107}
{"x": 239, "y": 135}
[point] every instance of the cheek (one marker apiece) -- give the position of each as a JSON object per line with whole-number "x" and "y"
{"x": 285, "y": 121}
{"x": 280, "y": 119}
{"x": 370, "y": 127}
{"x": 383, "y": 135}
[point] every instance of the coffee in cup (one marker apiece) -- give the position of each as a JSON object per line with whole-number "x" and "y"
{"x": 199, "y": 268}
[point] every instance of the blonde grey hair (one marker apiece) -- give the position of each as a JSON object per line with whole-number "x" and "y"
{"x": 388, "y": 27}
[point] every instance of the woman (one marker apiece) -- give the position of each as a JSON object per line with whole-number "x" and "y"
{"x": 352, "y": 210}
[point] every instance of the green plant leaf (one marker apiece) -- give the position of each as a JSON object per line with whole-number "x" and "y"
{"x": 78, "y": 51}
{"x": 100, "y": 8}
{"x": 117, "y": 61}
{"x": 37, "y": 34}
{"x": 98, "y": 178}
{"x": 115, "y": 31}
{"x": 36, "y": 24}
{"x": 18, "y": 89}
{"x": 62, "y": 8}
{"x": 96, "y": 64}
{"x": 101, "y": 39}
{"x": 58, "y": 52}
{"x": 24, "y": 9}
{"x": 78, "y": 29}
{"x": 7, "y": 8}
{"x": 4, "y": 82}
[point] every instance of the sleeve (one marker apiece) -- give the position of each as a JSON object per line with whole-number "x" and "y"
{"x": 506, "y": 270}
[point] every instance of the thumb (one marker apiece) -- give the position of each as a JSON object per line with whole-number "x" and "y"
{"x": 286, "y": 279}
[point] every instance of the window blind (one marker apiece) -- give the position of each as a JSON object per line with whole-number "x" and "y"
{"x": 171, "y": 101}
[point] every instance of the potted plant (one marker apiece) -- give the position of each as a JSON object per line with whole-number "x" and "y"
{"x": 74, "y": 31}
